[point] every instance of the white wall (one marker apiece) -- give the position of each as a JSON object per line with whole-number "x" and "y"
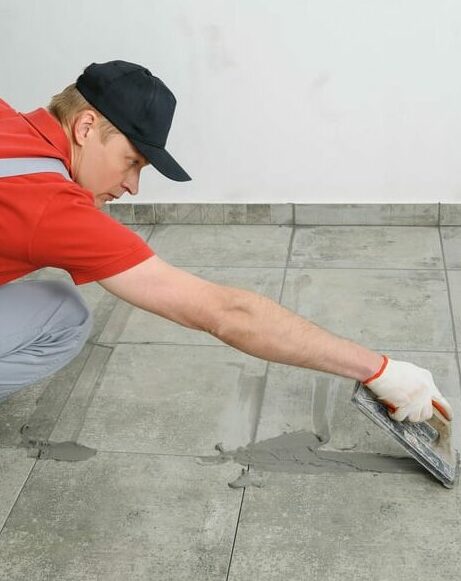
{"x": 307, "y": 101}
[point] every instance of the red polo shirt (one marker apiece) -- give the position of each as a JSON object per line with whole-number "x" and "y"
{"x": 47, "y": 220}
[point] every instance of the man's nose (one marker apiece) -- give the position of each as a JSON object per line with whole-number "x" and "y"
{"x": 131, "y": 186}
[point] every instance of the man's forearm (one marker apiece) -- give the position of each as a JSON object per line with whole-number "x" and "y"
{"x": 260, "y": 327}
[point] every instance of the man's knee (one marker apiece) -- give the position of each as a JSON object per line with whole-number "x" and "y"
{"x": 76, "y": 310}
{"x": 87, "y": 325}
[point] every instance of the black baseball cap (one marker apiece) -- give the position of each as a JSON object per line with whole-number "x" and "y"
{"x": 140, "y": 105}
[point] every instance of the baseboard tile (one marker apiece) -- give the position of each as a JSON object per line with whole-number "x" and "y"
{"x": 436, "y": 214}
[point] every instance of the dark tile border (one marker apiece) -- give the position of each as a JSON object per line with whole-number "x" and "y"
{"x": 287, "y": 214}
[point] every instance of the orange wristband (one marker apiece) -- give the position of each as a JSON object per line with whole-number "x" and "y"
{"x": 376, "y": 375}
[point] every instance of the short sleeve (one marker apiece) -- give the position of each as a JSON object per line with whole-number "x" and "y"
{"x": 6, "y": 110}
{"x": 74, "y": 235}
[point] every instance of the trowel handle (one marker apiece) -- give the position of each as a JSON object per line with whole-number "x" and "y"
{"x": 435, "y": 404}
{"x": 440, "y": 409}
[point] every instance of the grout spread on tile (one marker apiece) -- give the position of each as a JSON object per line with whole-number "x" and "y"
{"x": 300, "y": 452}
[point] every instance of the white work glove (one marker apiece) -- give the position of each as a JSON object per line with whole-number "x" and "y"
{"x": 408, "y": 391}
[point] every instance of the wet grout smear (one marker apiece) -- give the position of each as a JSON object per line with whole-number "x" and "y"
{"x": 300, "y": 453}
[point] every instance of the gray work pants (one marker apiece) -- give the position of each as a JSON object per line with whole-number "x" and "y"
{"x": 43, "y": 326}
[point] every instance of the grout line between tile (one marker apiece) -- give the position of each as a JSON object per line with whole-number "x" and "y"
{"x": 450, "y": 304}
{"x": 365, "y": 268}
{"x": 348, "y": 225}
{"x": 225, "y": 346}
{"x": 19, "y": 491}
{"x": 435, "y": 224}
{"x": 276, "y": 225}
{"x": 222, "y": 266}
{"x": 235, "y": 535}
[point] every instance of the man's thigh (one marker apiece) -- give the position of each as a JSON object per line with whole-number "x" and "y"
{"x": 43, "y": 325}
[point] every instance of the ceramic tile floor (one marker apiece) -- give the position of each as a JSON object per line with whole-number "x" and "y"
{"x": 155, "y": 499}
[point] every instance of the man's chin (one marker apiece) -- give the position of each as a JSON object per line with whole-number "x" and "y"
{"x": 100, "y": 203}
{"x": 102, "y": 199}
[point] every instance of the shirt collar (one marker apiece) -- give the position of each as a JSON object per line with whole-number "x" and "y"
{"x": 52, "y": 131}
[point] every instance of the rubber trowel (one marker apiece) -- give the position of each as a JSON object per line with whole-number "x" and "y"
{"x": 429, "y": 442}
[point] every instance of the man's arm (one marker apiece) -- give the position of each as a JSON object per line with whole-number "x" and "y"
{"x": 261, "y": 327}
{"x": 245, "y": 320}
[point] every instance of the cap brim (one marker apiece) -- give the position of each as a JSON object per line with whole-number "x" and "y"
{"x": 162, "y": 161}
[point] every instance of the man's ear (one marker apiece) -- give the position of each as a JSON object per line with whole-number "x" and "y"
{"x": 85, "y": 122}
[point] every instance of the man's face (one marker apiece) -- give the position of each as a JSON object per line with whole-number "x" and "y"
{"x": 108, "y": 169}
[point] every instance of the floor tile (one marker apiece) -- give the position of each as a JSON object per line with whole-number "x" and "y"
{"x": 135, "y": 326}
{"x": 217, "y": 245}
{"x": 117, "y": 517}
{"x": 381, "y": 309}
{"x": 173, "y": 399}
{"x": 451, "y": 239}
{"x": 15, "y": 468}
{"x": 366, "y": 247}
{"x": 348, "y": 527}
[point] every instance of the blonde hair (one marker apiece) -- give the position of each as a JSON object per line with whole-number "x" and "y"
{"x": 67, "y": 104}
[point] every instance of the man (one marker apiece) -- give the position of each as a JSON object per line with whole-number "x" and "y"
{"x": 91, "y": 144}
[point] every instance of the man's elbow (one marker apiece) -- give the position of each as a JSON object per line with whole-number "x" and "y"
{"x": 229, "y": 317}
{"x": 217, "y": 311}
